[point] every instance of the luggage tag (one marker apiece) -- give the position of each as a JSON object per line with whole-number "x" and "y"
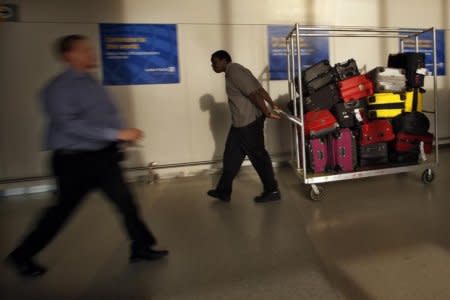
{"x": 358, "y": 115}
{"x": 423, "y": 156}
{"x": 422, "y": 71}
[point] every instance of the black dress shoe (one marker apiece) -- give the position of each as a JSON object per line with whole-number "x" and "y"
{"x": 26, "y": 267}
{"x": 147, "y": 254}
{"x": 221, "y": 196}
{"x": 268, "y": 197}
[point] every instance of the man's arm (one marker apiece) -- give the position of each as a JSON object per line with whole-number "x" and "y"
{"x": 267, "y": 98}
{"x": 66, "y": 115}
{"x": 249, "y": 85}
{"x": 259, "y": 98}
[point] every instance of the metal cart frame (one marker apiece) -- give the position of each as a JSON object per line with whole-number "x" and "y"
{"x": 293, "y": 45}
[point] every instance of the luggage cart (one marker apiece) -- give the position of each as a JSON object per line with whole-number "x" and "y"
{"x": 298, "y": 161}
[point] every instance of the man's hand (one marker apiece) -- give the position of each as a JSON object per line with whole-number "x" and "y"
{"x": 273, "y": 115}
{"x": 130, "y": 134}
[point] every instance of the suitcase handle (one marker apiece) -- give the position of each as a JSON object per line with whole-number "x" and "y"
{"x": 415, "y": 99}
{"x": 321, "y": 155}
{"x": 402, "y": 96}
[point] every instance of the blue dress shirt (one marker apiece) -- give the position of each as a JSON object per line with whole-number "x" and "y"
{"x": 81, "y": 113}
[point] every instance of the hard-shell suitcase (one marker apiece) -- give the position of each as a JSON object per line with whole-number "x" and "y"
{"x": 373, "y": 154}
{"x": 386, "y": 105}
{"x": 324, "y": 98}
{"x": 351, "y": 113}
{"x": 290, "y": 106}
{"x": 344, "y": 115}
{"x": 390, "y": 105}
{"x": 405, "y": 142}
{"x": 414, "y": 100}
{"x": 376, "y": 131}
{"x": 342, "y": 154}
{"x": 388, "y": 79}
{"x": 319, "y": 123}
{"x": 404, "y": 158}
{"x": 305, "y": 92}
{"x": 316, "y": 70}
{"x": 411, "y": 122}
{"x": 317, "y": 154}
{"x": 316, "y": 84}
{"x": 346, "y": 69}
{"x": 355, "y": 88}
{"x": 414, "y": 65}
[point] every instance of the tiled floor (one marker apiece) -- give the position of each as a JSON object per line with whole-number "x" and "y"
{"x": 377, "y": 238}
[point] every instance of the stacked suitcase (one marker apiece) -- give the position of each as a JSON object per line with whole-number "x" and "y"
{"x": 355, "y": 120}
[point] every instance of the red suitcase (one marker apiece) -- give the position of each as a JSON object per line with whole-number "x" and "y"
{"x": 355, "y": 88}
{"x": 377, "y": 131}
{"x": 405, "y": 142}
{"x": 319, "y": 123}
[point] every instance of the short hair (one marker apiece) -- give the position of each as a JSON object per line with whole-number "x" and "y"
{"x": 66, "y": 43}
{"x": 222, "y": 54}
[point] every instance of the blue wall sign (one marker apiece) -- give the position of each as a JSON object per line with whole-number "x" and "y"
{"x": 426, "y": 46}
{"x": 139, "y": 54}
{"x": 314, "y": 49}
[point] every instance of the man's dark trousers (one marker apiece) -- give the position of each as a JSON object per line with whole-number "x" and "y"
{"x": 78, "y": 173}
{"x": 242, "y": 141}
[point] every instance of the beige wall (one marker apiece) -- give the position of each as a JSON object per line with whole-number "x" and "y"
{"x": 187, "y": 121}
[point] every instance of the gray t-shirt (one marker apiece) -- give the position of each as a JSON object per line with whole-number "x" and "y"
{"x": 240, "y": 83}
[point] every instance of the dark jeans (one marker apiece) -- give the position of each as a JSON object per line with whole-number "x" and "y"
{"x": 242, "y": 141}
{"x": 77, "y": 174}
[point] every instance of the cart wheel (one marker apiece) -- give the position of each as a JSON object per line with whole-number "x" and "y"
{"x": 315, "y": 195}
{"x": 427, "y": 176}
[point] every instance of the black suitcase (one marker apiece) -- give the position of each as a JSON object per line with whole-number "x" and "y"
{"x": 345, "y": 113}
{"x": 304, "y": 88}
{"x": 412, "y": 62}
{"x": 346, "y": 69}
{"x": 316, "y": 70}
{"x": 321, "y": 81}
{"x": 324, "y": 98}
{"x": 373, "y": 154}
{"x": 411, "y": 122}
{"x": 290, "y": 107}
{"x": 404, "y": 158}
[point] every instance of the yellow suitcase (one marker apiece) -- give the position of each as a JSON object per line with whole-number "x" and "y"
{"x": 409, "y": 102}
{"x": 389, "y": 105}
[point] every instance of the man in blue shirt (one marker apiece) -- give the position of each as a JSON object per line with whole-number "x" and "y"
{"x": 84, "y": 130}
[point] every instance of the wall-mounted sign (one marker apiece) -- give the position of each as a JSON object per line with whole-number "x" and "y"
{"x": 139, "y": 54}
{"x": 313, "y": 49}
{"x": 426, "y": 46}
